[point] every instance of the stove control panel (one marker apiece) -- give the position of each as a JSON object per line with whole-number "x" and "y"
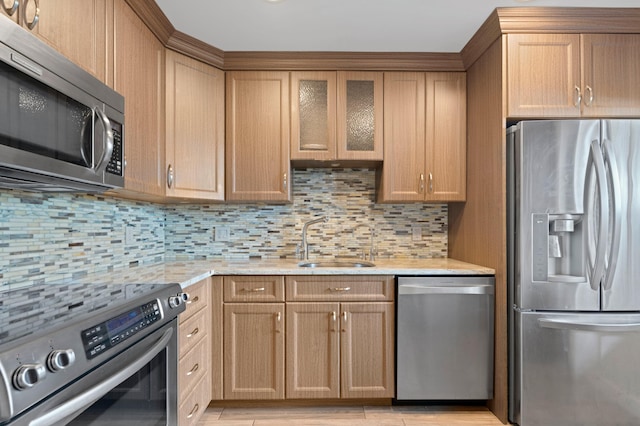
{"x": 101, "y": 337}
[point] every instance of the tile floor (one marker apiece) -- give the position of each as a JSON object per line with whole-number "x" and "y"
{"x": 350, "y": 416}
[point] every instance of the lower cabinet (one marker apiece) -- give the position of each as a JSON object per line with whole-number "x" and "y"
{"x": 194, "y": 351}
{"x": 329, "y": 337}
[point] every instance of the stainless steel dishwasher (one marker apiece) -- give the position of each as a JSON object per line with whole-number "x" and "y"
{"x": 445, "y": 338}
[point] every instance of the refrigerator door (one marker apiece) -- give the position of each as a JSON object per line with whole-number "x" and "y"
{"x": 559, "y": 178}
{"x": 577, "y": 369}
{"x": 621, "y": 149}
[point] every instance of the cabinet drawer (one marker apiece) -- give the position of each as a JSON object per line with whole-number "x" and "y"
{"x": 254, "y": 288}
{"x": 193, "y": 365}
{"x": 194, "y": 404}
{"x": 340, "y": 288}
{"x": 198, "y": 298}
{"x": 192, "y": 331}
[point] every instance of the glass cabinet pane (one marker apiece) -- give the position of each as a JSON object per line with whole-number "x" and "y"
{"x": 314, "y": 129}
{"x": 360, "y": 115}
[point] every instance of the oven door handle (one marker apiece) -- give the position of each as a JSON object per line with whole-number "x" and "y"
{"x": 86, "y": 399}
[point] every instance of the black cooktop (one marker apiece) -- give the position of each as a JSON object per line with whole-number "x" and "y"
{"x": 34, "y": 309}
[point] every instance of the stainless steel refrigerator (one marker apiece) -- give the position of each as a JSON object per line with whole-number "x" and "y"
{"x": 574, "y": 272}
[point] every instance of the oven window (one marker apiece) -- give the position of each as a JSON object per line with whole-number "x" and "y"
{"x": 140, "y": 400}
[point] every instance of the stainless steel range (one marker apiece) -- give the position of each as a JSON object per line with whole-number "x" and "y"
{"x": 89, "y": 354}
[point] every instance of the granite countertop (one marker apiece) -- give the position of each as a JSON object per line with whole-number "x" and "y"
{"x": 190, "y": 272}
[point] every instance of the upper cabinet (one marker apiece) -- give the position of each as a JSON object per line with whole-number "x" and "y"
{"x": 572, "y": 75}
{"x": 76, "y": 28}
{"x": 336, "y": 115}
{"x": 139, "y": 76}
{"x": 257, "y": 139}
{"x": 194, "y": 128}
{"x": 424, "y": 137}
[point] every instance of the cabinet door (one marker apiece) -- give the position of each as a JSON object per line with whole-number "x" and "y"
{"x": 75, "y": 28}
{"x": 257, "y": 149}
{"x": 446, "y": 137}
{"x": 367, "y": 350}
{"x": 360, "y": 115}
{"x": 313, "y": 115}
{"x": 611, "y": 75}
{"x": 403, "y": 170}
{"x": 195, "y": 128}
{"x": 139, "y": 77}
{"x": 543, "y": 74}
{"x": 313, "y": 351}
{"x": 254, "y": 351}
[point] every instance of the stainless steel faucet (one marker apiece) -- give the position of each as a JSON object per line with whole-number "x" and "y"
{"x": 305, "y": 246}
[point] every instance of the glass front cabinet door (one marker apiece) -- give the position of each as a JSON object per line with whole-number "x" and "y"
{"x": 336, "y": 115}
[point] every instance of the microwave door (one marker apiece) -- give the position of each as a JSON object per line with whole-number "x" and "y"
{"x": 621, "y": 151}
{"x": 552, "y": 214}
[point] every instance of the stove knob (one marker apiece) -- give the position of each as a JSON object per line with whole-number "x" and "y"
{"x": 28, "y": 376}
{"x": 175, "y": 301}
{"x": 60, "y": 359}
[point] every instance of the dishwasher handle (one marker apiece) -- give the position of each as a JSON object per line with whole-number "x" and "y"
{"x": 472, "y": 289}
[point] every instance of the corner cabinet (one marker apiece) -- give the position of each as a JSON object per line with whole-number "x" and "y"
{"x": 194, "y": 129}
{"x": 78, "y": 29}
{"x": 573, "y": 75}
{"x": 424, "y": 137}
{"x": 139, "y": 77}
{"x": 336, "y": 115}
{"x": 257, "y": 141}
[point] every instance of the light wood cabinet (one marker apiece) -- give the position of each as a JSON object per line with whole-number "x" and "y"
{"x": 257, "y": 140}
{"x": 76, "y": 28}
{"x": 194, "y": 351}
{"x": 140, "y": 78}
{"x": 194, "y": 129}
{"x": 572, "y": 75}
{"x": 336, "y": 115}
{"x": 340, "y": 349}
{"x": 254, "y": 337}
{"x": 424, "y": 138}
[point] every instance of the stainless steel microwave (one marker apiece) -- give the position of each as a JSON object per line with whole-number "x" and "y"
{"x": 61, "y": 129}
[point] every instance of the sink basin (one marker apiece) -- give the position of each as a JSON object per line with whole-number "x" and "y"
{"x": 336, "y": 264}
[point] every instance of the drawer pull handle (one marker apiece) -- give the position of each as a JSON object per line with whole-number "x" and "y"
{"x": 193, "y": 411}
{"x": 195, "y": 299}
{"x": 338, "y": 289}
{"x": 193, "y": 370}
{"x": 253, "y": 290}
{"x": 193, "y": 333}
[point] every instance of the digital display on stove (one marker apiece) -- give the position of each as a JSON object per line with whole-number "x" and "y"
{"x": 108, "y": 334}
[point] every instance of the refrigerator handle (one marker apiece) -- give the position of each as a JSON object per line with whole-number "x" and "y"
{"x": 597, "y": 271}
{"x": 616, "y": 209}
{"x": 561, "y": 324}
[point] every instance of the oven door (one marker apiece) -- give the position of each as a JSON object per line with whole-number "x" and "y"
{"x": 137, "y": 386}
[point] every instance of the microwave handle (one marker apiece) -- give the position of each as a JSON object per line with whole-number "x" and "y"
{"x": 107, "y": 141}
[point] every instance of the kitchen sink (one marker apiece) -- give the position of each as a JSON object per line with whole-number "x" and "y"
{"x": 336, "y": 264}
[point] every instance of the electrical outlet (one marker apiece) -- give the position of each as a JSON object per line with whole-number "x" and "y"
{"x": 416, "y": 233}
{"x": 128, "y": 235}
{"x": 222, "y": 233}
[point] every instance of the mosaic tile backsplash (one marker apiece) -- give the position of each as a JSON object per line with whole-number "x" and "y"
{"x": 67, "y": 235}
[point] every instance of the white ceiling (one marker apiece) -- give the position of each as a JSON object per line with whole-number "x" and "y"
{"x": 344, "y": 25}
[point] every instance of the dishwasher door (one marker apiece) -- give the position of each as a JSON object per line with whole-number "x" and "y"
{"x": 445, "y": 338}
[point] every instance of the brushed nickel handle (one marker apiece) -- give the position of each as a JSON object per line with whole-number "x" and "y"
{"x": 334, "y": 317}
{"x": 578, "y": 97}
{"x": 344, "y": 316}
{"x": 31, "y": 24}
{"x": 421, "y": 190}
{"x": 278, "y": 316}
{"x": 193, "y": 369}
{"x": 10, "y": 9}
{"x": 589, "y": 92}
{"x": 170, "y": 176}
{"x": 193, "y": 333}
{"x": 284, "y": 181}
{"x": 193, "y": 411}
{"x": 430, "y": 183}
{"x": 339, "y": 289}
{"x": 253, "y": 290}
